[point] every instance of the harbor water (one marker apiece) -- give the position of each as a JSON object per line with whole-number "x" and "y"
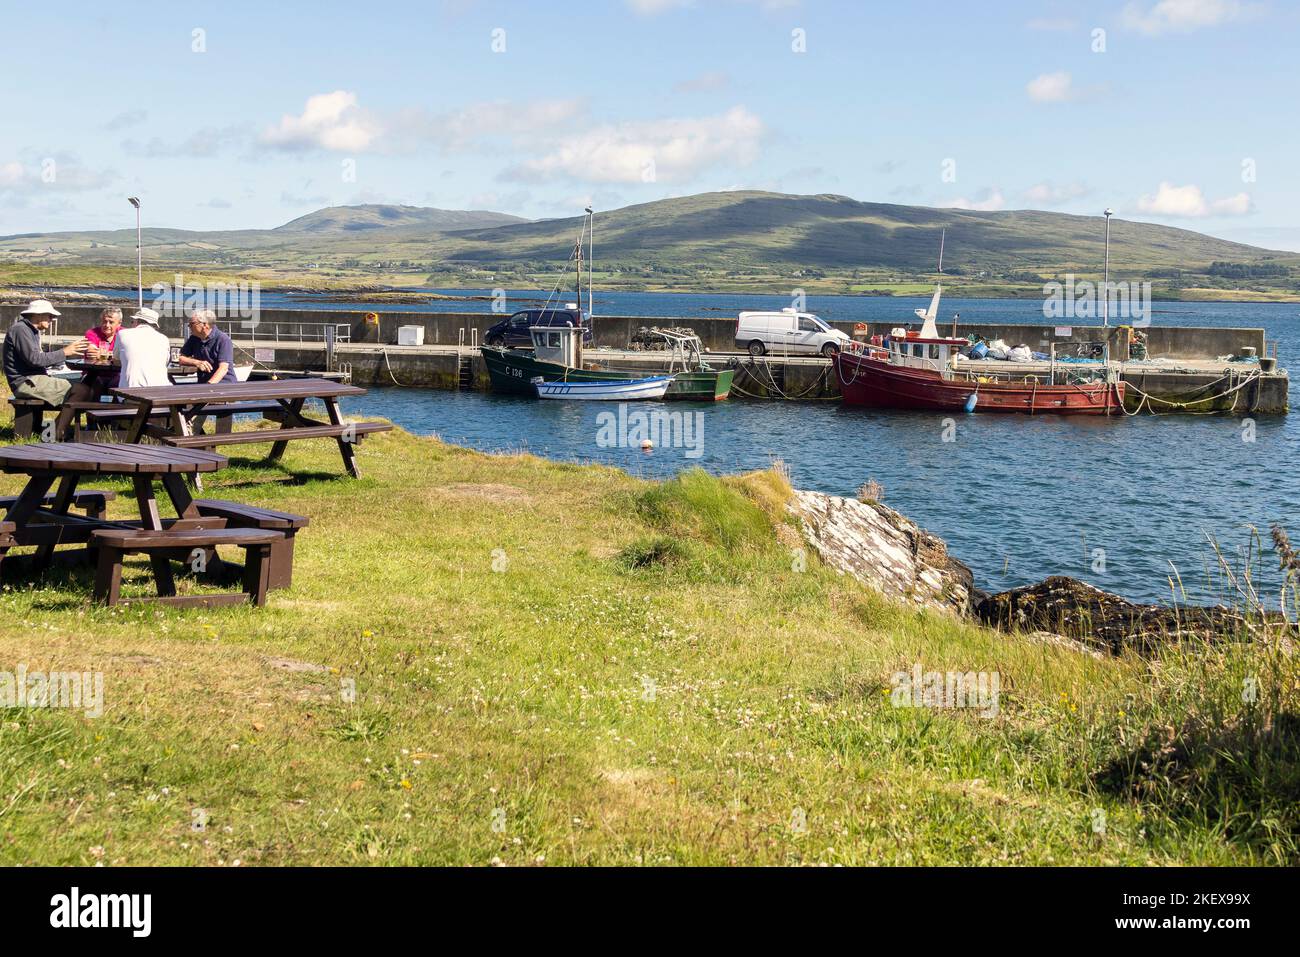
{"x": 1145, "y": 507}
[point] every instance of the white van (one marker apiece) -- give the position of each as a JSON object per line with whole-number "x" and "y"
{"x": 787, "y": 331}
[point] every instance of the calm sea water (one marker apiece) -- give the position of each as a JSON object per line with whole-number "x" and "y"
{"x": 1016, "y": 498}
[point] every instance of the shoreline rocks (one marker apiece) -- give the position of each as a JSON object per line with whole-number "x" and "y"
{"x": 893, "y": 555}
{"x": 885, "y": 550}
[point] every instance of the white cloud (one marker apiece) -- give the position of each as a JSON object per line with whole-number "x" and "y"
{"x": 1052, "y": 24}
{"x": 520, "y": 122}
{"x": 330, "y": 121}
{"x": 647, "y": 151}
{"x": 1190, "y": 202}
{"x": 291, "y": 199}
{"x": 1170, "y": 16}
{"x": 703, "y": 83}
{"x": 201, "y": 144}
{"x": 649, "y": 8}
{"x": 1050, "y": 87}
{"x": 55, "y": 173}
{"x": 1049, "y": 194}
{"x": 989, "y": 200}
{"x": 126, "y": 119}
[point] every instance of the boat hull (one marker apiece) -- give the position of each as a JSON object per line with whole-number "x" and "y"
{"x": 511, "y": 371}
{"x": 877, "y": 384}
{"x": 619, "y": 390}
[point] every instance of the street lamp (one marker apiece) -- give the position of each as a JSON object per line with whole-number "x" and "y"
{"x": 1105, "y": 283}
{"x": 139, "y": 259}
{"x": 591, "y": 265}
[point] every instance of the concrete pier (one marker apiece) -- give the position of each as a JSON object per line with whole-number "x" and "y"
{"x": 1201, "y": 384}
{"x": 1185, "y": 367}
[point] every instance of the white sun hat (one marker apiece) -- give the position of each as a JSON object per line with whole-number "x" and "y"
{"x": 41, "y": 307}
{"x": 147, "y": 315}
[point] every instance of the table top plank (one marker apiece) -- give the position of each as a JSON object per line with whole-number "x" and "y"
{"x": 202, "y": 393}
{"x": 106, "y": 458}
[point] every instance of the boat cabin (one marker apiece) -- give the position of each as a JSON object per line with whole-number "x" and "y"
{"x": 913, "y": 351}
{"x": 558, "y": 344}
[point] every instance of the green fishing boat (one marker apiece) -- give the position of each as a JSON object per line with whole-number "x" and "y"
{"x": 513, "y": 370}
{"x": 556, "y": 357}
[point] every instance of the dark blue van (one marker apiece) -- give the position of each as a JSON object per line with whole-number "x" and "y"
{"x": 514, "y": 330}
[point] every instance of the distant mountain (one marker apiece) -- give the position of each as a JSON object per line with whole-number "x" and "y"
{"x": 759, "y": 231}
{"x": 835, "y": 232}
{"x": 342, "y": 219}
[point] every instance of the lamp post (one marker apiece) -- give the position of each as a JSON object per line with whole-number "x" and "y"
{"x": 139, "y": 256}
{"x": 591, "y": 265}
{"x": 1105, "y": 283}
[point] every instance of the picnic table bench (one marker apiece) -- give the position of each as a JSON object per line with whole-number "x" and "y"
{"x": 283, "y": 398}
{"x": 35, "y": 517}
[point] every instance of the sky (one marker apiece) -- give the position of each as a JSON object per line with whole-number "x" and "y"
{"x": 240, "y": 115}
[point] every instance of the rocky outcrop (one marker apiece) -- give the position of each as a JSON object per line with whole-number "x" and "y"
{"x": 886, "y": 551}
{"x": 1075, "y": 609}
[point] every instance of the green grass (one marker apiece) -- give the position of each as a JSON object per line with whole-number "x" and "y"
{"x": 562, "y": 664}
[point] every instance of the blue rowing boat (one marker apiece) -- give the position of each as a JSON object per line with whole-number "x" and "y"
{"x": 617, "y": 390}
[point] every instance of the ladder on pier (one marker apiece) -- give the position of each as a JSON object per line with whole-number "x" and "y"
{"x": 465, "y": 353}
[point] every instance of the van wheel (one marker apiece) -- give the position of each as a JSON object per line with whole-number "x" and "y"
{"x": 829, "y": 349}
{"x": 757, "y": 348}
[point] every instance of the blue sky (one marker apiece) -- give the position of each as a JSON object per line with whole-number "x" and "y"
{"x": 239, "y": 114}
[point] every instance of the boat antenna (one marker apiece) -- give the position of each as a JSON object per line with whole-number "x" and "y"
{"x": 591, "y": 265}
{"x": 927, "y": 316}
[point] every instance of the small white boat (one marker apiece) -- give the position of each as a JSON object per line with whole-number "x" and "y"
{"x": 618, "y": 390}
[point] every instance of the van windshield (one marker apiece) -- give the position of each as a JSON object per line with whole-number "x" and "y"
{"x": 821, "y": 325}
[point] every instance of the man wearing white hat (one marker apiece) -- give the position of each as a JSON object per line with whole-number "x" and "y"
{"x": 143, "y": 351}
{"x": 26, "y": 364}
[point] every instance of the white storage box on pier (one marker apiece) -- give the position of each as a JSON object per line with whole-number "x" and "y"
{"x": 410, "y": 335}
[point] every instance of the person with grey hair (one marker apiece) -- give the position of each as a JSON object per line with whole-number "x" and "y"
{"x": 102, "y": 336}
{"x": 27, "y": 365}
{"x": 208, "y": 350}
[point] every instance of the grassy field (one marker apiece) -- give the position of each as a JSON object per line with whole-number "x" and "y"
{"x": 558, "y": 664}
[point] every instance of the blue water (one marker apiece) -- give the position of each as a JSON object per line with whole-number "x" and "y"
{"x": 1016, "y": 498}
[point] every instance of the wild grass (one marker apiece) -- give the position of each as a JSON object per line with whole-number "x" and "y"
{"x": 500, "y": 658}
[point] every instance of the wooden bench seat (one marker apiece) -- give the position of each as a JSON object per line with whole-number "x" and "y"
{"x": 114, "y": 544}
{"x": 357, "y": 429}
{"x": 124, "y": 413}
{"x": 29, "y": 416}
{"x": 93, "y": 501}
{"x": 239, "y": 515}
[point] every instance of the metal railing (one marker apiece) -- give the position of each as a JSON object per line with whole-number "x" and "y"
{"x": 286, "y": 331}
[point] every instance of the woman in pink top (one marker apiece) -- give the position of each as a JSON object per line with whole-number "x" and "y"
{"x": 104, "y": 334}
{"x": 101, "y": 340}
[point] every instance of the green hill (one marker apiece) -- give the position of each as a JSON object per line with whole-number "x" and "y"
{"x": 835, "y": 232}
{"x": 766, "y": 238}
{"x": 343, "y": 219}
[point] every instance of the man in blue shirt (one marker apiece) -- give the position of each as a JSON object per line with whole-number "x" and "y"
{"x": 208, "y": 350}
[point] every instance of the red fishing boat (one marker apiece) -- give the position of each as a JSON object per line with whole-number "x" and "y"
{"x": 921, "y": 370}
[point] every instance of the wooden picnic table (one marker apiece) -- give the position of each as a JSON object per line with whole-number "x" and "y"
{"x": 185, "y": 403}
{"x": 68, "y": 463}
